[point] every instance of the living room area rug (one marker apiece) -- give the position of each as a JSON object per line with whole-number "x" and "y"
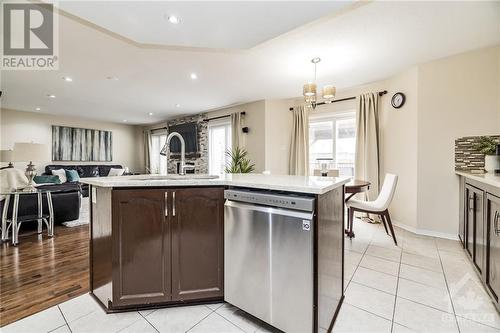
{"x": 84, "y": 215}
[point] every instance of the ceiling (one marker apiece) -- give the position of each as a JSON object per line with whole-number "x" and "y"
{"x": 204, "y": 24}
{"x": 357, "y": 43}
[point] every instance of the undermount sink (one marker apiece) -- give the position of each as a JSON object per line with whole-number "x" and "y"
{"x": 177, "y": 177}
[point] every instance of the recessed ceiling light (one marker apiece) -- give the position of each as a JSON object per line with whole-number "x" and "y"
{"x": 67, "y": 79}
{"x": 173, "y": 19}
{"x": 113, "y": 78}
{"x": 125, "y": 120}
{"x": 194, "y": 76}
{"x": 151, "y": 113}
{"x": 37, "y": 109}
{"x": 177, "y": 105}
{"x": 51, "y": 96}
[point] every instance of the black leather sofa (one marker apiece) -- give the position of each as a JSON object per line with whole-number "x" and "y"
{"x": 84, "y": 170}
{"x": 65, "y": 201}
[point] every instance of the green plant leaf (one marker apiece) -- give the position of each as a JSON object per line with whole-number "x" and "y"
{"x": 238, "y": 161}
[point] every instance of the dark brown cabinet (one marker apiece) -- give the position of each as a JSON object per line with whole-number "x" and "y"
{"x": 480, "y": 229}
{"x": 197, "y": 243}
{"x": 493, "y": 256}
{"x": 157, "y": 245}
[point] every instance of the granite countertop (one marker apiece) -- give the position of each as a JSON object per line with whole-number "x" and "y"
{"x": 301, "y": 184}
{"x": 486, "y": 178}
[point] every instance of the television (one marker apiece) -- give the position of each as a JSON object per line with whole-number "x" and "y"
{"x": 189, "y": 132}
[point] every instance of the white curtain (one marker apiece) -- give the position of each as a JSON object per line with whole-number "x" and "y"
{"x": 299, "y": 148}
{"x": 236, "y": 130}
{"x": 367, "y": 142}
{"x": 147, "y": 150}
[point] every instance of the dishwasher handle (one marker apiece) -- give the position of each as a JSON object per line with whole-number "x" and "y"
{"x": 270, "y": 210}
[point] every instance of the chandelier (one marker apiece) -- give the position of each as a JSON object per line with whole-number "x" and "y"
{"x": 309, "y": 90}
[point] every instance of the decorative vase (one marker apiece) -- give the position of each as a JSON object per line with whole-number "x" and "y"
{"x": 491, "y": 163}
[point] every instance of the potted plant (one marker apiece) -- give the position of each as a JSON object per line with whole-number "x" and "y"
{"x": 238, "y": 161}
{"x": 487, "y": 145}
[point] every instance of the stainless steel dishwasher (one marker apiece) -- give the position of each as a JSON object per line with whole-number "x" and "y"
{"x": 268, "y": 257}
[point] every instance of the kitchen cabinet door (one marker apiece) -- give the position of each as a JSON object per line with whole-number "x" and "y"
{"x": 197, "y": 243}
{"x": 141, "y": 247}
{"x": 469, "y": 221}
{"x": 476, "y": 233}
{"x": 493, "y": 248}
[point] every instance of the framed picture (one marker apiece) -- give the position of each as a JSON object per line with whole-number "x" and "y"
{"x": 81, "y": 144}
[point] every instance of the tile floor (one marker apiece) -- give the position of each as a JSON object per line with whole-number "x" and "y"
{"x": 424, "y": 284}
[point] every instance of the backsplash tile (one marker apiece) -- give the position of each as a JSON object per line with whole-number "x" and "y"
{"x": 467, "y": 157}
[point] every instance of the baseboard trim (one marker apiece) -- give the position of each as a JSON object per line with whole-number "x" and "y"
{"x": 424, "y": 232}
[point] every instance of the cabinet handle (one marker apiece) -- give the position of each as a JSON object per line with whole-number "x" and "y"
{"x": 173, "y": 203}
{"x": 472, "y": 202}
{"x": 166, "y": 204}
{"x": 497, "y": 216}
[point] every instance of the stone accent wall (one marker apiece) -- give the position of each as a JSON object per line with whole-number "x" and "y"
{"x": 201, "y": 159}
{"x": 467, "y": 157}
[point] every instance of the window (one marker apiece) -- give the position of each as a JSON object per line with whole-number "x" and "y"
{"x": 158, "y": 162}
{"x": 332, "y": 138}
{"x": 219, "y": 141}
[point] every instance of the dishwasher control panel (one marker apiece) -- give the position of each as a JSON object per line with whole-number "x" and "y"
{"x": 290, "y": 201}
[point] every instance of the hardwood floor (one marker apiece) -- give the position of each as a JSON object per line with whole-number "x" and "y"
{"x": 40, "y": 273}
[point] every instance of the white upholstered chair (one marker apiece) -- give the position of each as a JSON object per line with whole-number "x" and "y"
{"x": 379, "y": 207}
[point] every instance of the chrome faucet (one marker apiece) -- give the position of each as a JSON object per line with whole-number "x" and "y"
{"x": 166, "y": 149}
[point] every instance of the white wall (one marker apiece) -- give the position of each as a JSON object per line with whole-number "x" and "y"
{"x": 457, "y": 96}
{"x": 21, "y": 126}
{"x": 278, "y": 125}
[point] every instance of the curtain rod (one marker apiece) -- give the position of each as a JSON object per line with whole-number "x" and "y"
{"x": 220, "y": 117}
{"x": 380, "y": 93}
{"x": 207, "y": 119}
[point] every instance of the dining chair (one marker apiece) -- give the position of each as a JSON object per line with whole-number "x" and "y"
{"x": 379, "y": 206}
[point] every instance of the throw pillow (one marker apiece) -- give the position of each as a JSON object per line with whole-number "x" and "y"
{"x": 47, "y": 179}
{"x": 61, "y": 173}
{"x": 72, "y": 176}
{"x": 115, "y": 172}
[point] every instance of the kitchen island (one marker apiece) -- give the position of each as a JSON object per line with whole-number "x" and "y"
{"x": 160, "y": 240}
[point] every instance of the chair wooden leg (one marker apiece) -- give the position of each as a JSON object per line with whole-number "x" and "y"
{"x": 382, "y": 217}
{"x": 351, "y": 222}
{"x": 388, "y": 218}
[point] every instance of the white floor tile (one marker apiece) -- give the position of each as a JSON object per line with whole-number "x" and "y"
{"x": 349, "y": 271}
{"x": 420, "y": 293}
{"x": 433, "y": 264}
{"x": 178, "y": 319}
{"x": 215, "y": 323}
{"x": 239, "y": 318}
{"x": 215, "y": 306}
{"x": 146, "y": 313}
{"x": 62, "y": 329}
{"x": 423, "y": 318}
{"x": 99, "y": 321}
{"x": 78, "y": 307}
{"x": 377, "y": 280}
{"x": 423, "y": 276}
{"x": 43, "y": 321}
{"x": 380, "y": 265}
{"x": 352, "y": 319}
{"x": 352, "y": 258}
{"x": 397, "y": 328}
{"x": 369, "y": 299}
{"x": 140, "y": 326}
{"x": 468, "y": 326}
{"x": 356, "y": 245}
{"x": 473, "y": 303}
{"x": 392, "y": 254}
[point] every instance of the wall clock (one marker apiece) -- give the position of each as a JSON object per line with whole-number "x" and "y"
{"x": 398, "y": 100}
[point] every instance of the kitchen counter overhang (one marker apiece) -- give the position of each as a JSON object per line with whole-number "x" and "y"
{"x": 298, "y": 184}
